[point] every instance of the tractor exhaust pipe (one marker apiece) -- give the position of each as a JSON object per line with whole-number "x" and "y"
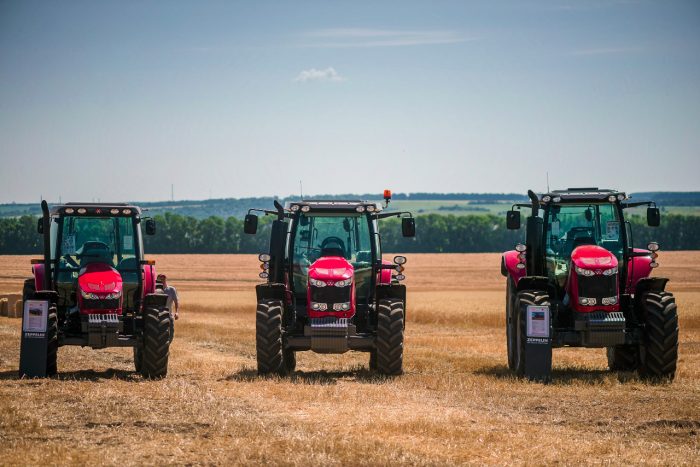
{"x": 46, "y": 222}
{"x": 535, "y": 202}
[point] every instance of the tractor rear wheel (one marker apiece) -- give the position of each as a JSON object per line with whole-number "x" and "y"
{"x": 289, "y": 357}
{"x": 52, "y": 343}
{"x": 390, "y": 327}
{"x": 659, "y": 348}
{"x": 623, "y": 358}
{"x": 268, "y": 337}
{"x": 373, "y": 360}
{"x": 156, "y": 343}
{"x": 511, "y": 324}
{"x": 521, "y": 302}
{"x": 138, "y": 358}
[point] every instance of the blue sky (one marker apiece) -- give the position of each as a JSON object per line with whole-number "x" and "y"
{"x": 119, "y": 100}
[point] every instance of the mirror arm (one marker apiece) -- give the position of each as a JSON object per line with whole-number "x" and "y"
{"x": 272, "y": 213}
{"x": 384, "y": 215}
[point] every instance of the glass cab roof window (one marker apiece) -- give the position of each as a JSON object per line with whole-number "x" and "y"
{"x": 572, "y": 225}
{"x": 108, "y": 240}
{"x": 346, "y": 235}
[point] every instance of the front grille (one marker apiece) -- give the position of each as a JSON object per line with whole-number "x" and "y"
{"x": 597, "y": 286}
{"x": 330, "y": 294}
{"x": 111, "y": 304}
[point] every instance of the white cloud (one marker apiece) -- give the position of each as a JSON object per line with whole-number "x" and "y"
{"x": 312, "y": 74}
{"x": 361, "y": 37}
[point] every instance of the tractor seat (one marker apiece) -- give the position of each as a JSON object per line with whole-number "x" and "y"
{"x": 583, "y": 241}
{"x": 332, "y": 251}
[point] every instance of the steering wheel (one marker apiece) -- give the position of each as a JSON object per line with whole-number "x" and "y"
{"x": 336, "y": 240}
{"x": 575, "y": 230}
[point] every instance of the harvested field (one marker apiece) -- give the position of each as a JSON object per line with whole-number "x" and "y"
{"x": 456, "y": 403}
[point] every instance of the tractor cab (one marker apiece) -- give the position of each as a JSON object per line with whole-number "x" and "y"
{"x": 326, "y": 278}
{"x": 578, "y": 261}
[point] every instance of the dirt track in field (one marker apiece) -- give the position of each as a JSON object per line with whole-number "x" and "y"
{"x": 456, "y": 403}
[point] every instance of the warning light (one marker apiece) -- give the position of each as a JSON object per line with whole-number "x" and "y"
{"x": 387, "y": 195}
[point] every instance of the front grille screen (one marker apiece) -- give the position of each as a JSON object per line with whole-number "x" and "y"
{"x": 330, "y": 294}
{"x": 111, "y": 304}
{"x": 597, "y": 286}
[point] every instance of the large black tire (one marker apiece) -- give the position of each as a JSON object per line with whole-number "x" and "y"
{"x": 28, "y": 290}
{"x": 659, "y": 349}
{"x": 623, "y": 357}
{"x": 289, "y": 357}
{"x": 138, "y": 359}
{"x": 52, "y": 343}
{"x": 373, "y": 360}
{"x": 522, "y": 301}
{"x": 390, "y": 326}
{"x": 156, "y": 343}
{"x": 268, "y": 337}
{"x": 511, "y": 324}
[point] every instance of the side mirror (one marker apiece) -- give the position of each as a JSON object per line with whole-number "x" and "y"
{"x": 653, "y": 217}
{"x": 408, "y": 227}
{"x": 250, "y": 225}
{"x": 40, "y": 226}
{"x": 150, "y": 227}
{"x": 513, "y": 220}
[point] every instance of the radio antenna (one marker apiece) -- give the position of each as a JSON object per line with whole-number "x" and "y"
{"x": 547, "y": 182}
{"x": 301, "y": 191}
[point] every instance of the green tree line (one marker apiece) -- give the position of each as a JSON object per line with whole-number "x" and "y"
{"x": 434, "y": 234}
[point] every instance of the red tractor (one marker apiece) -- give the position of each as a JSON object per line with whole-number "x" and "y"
{"x": 327, "y": 288}
{"x": 578, "y": 281}
{"x": 100, "y": 290}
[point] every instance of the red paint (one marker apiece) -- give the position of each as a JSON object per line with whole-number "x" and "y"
{"x": 99, "y": 279}
{"x": 38, "y": 271}
{"x": 331, "y": 269}
{"x": 638, "y": 268}
{"x": 149, "y": 279}
{"x": 597, "y": 259}
{"x": 510, "y": 259}
{"x": 384, "y": 276}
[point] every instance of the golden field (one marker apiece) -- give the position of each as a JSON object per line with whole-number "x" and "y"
{"x": 456, "y": 402}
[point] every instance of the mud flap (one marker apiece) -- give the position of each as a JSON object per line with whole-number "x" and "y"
{"x": 537, "y": 329}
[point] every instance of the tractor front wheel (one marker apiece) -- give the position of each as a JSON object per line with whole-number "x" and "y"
{"x": 156, "y": 344}
{"x": 390, "y": 327}
{"x": 521, "y": 302}
{"x": 659, "y": 348}
{"x": 52, "y": 343}
{"x": 511, "y": 324}
{"x": 268, "y": 338}
{"x": 623, "y": 358}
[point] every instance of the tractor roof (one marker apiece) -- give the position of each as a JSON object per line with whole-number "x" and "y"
{"x": 582, "y": 194}
{"x": 333, "y": 205}
{"x": 96, "y": 209}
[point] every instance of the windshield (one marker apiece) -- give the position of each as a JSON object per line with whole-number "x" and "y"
{"x": 108, "y": 240}
{"x": 345, "y": 235}
{"x": 572, "y": 225}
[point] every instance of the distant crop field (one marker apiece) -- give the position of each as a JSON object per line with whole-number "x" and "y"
{"x": 456, "y": 402}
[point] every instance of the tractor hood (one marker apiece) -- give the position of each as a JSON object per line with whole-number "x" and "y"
{"x": 99, "y": 279}
{"x": 331, "y": 268}
{"x": 593, "y": 257}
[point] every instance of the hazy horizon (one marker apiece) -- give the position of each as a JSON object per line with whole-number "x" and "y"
{"x": 117, "y": 101}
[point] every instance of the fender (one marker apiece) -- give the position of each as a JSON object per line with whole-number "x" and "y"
{"x": 270, "y": 291}
{"x": 533, "y": 283}
{"x": 149, "y": 279}
{"x": 508, "y": 262}
{"x": 638, "y": 269}
{"x": 38, "y": 271}
{"x": 650, "y": 284}
{"x": 157, "y": 300}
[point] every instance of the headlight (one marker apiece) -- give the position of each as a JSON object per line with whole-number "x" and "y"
{"x": 399, "y": 277}
{"x": 341, "y": 306}
{"x": 294, "y": 208}
{"x": 264, "y": 257}
{"x": 610, "y": 272}
{"x": 546, "y": 198}
{"x": 621, "y": 197}
{"x": 520, "y": 266}
{"x": 305, "y": 208}
{"x": 400, "y": 259}
{"x": 587, "y": 301}
{"x": 360, "y": 209}
{"x": 114, "y": 211}
{"x": 612, "y": 198}
{"x": 584, "y": 272}
{"x": 113, "y": 296}
{"x": 263, "y": 275}
{"x": 609, "y": 300}
{"x": 370, "y": 208}
{"x": 344, "y": 283}
{"x": 653, "y": 246}
{"x": 317, "y": 283}
{"x": 520, "y": 247}
{"x": 89, "y": 296}
{"x": 556, "y": 199}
